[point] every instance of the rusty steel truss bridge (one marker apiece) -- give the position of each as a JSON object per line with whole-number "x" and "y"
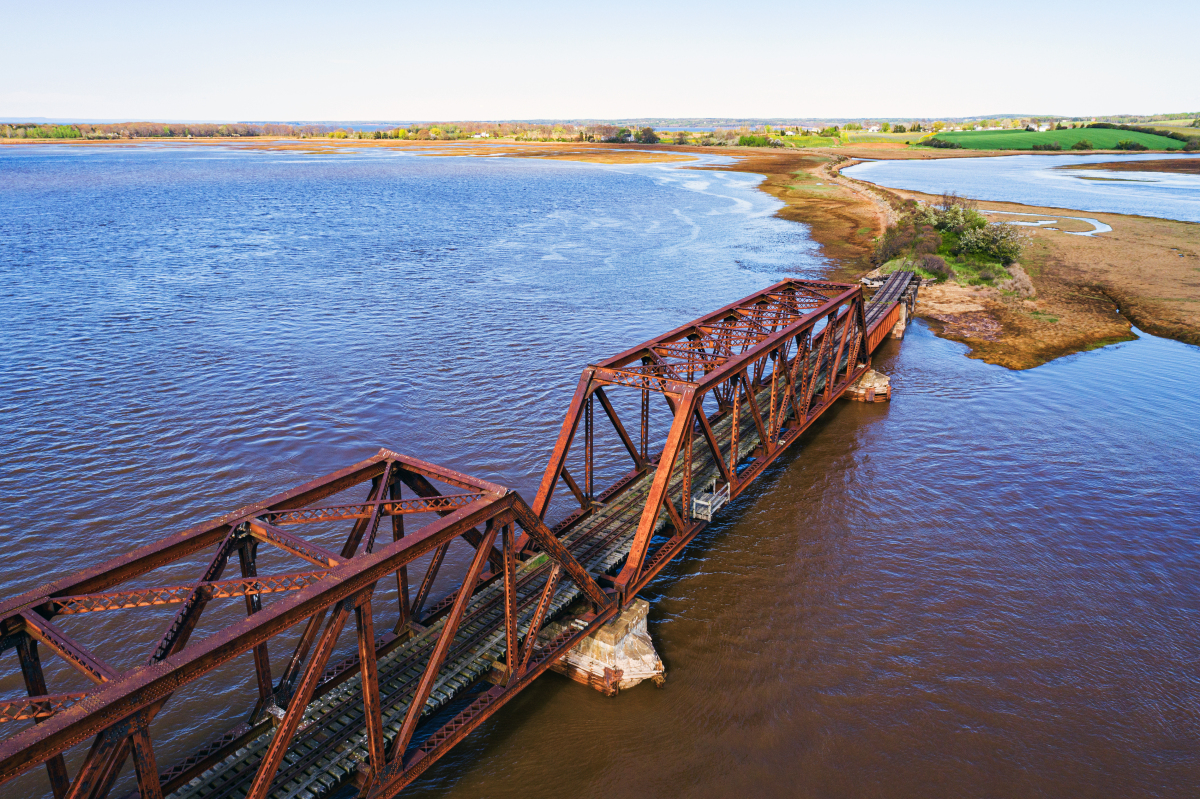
{"x": 741, "y": 385}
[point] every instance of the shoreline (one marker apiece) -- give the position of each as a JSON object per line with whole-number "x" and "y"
{"x": 1091, "y": 290}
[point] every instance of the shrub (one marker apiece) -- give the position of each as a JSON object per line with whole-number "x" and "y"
{"x": 832, "y": 130}
{"x": 999, "y": 240}
{"x": 646, "y": 136}
{"x": 952, "y": 213}
{"x": 927, "y": 241}
{"x": 1051, "y": 146}
{"x": 936, "y": 266}
{"x": 1082, "y": 144}
{"x": 941, "y": 144}
{"x": 910, "y": 235}
{"x": 1019, "y": 283}
{"x": 1192, "y": 146}
{"x": 1170, "y": 134}
{"x": 754, "y": 141}
{"x": 1128, "y": 144}
{"x": 902, "y": 129}
{"x": 987, "y": 275}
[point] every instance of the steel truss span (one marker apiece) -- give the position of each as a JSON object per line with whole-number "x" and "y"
{"x": 741, "y": 385}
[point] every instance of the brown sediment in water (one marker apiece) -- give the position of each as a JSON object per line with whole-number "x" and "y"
{"x": 1181, "y": 166}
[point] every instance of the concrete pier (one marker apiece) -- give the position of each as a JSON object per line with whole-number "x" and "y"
{"x": 871, "y": 387}
{"x": 901, "y": 323}
{"x": 616, "y": 657}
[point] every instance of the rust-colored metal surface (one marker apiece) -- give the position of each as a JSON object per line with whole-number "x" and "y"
{"x": 741, "y": 384}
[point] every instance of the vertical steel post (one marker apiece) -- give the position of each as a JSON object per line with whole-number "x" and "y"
{"x": 771, "y": 438}
{"x": 394, "y": 493}
{"x": 589, "y": 488}
{"x": 365, "y": 623}
{"x": 35, "y": 684}
{"x": 687, "y": 469}
{"x": 645, "y": 423}
{"x": 736, "y": 428}
{"x": 512, "y": 641}
{"x": 247, "y": 553}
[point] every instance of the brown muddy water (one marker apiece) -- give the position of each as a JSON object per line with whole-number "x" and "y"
{"x": 984, "y": 588}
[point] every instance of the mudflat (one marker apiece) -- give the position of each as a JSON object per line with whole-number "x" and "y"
{"x": 1090, "y": 289}
{"x": 1181, "y": 166}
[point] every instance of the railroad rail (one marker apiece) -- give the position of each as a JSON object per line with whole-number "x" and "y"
{"x": 741, "y": 385}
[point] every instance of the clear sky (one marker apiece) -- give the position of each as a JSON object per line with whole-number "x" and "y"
{"x": 512, "y": 59}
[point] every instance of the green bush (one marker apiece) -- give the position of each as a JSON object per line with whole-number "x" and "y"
{"x": 952, "y": 214}
{"x": 646, "y": 136}
{"x": 936, "y": 266}
{"x": 941, "y": 144}
{"x": 1129, "y": 144}
{"x": 754, "y": 141}
{"x": 1082, "y": 144}
{"x": 1000, "y": 241}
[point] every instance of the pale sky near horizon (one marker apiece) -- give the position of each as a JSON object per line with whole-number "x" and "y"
{"x": 369, "y": 60}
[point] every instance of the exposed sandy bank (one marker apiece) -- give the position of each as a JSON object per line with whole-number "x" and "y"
{"x": 1182, "y": 166}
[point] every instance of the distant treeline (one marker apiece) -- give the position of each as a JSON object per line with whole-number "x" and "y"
{"x": 442, "y": 131}
{"x": 1190, "y": 142}
{"x": 156, "y": 130}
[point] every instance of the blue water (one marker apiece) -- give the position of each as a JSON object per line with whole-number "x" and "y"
{"x": 221, "y": 307}
{"x": 1034, "y": 180}
{"x": 983, "y": 588}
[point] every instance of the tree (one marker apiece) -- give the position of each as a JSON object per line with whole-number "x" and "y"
{"x": 900, "y": 129}
{"x": 887, "y": 126}
{"x": 646, "y": 136}
{"x": 681, "y": 137}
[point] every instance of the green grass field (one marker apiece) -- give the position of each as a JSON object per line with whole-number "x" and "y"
{"x": 811, "y": 141}
{"x": 863, "y": 137}
{"x": 1101, "y": 139}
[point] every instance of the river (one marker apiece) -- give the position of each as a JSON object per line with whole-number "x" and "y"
{"x": 1047, "y": 180}
{"x": 983, "y": 588}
